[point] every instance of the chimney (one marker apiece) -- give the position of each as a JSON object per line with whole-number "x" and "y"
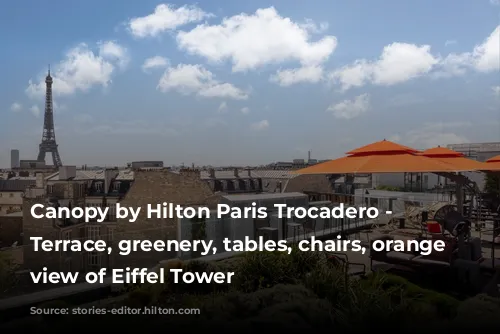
{"x": 67, "y": 172}
{"x": 109, "y": 175}
{"x": 211, "y": 173}
{"x": 236, "y": 173}
{"x": 249, "y": 172}
{"x": 40, "y": 181}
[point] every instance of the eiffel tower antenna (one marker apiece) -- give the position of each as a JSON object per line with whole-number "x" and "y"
{"x": 48, "y": 144}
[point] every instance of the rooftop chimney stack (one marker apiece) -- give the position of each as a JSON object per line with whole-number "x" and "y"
{"x": 211, "y": 173}
{"x": 109, "y": 175}
{"x": 40, "y": 181}
{"x": 236, "y": 173}
{"x": 67, "y": 172}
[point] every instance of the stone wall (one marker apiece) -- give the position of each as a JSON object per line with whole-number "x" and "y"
{"x": 156, "y": 187}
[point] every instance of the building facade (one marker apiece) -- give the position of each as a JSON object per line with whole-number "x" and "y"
{"x": 14, "y": 159}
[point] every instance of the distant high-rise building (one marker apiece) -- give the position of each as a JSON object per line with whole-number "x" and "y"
{"x": 14, "y": 158}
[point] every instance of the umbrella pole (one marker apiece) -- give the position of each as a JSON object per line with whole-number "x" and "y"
{"x": 459, "y": 195}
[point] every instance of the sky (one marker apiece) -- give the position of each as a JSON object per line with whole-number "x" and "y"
{"x": 247, "y": 82}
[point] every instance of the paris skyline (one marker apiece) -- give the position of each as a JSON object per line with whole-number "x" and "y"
{"x": 136, "y": 88}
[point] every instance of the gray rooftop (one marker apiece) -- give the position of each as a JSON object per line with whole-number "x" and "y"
{"x": 82, "y": 175}
{"x": 257, "y": 197}
{"x": 242, "y": 173}
{"x": 16, "y": 185}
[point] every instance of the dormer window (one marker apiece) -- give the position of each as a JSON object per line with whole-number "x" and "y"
{"x": 99, "y": 186}
{"x": 116, "y": 186}
{"x": 229, "y": 185}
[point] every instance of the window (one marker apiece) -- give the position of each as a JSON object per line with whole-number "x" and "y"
{"x": 94, "y": 259}
{"x": 50, "y": 189}
{"x": 67, "y": 236}
{"x": 111, "y": 234}
{"x": 116, "y": 186}
{"x": 93, "y": 232}
{"x": 98, "y": 186}
{"x": 11, "y": 195}
{"x": 1, "y": 194}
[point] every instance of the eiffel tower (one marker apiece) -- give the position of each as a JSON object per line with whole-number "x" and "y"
{"x": 48, "y": 144}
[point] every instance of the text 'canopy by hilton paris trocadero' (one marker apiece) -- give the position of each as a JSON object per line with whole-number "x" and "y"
{"x": 170, "y": 211}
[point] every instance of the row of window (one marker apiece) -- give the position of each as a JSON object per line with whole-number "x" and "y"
{"x": 93, "y": 233}
{"x": 11, "y": 194}
{"x": 82, "y": 188}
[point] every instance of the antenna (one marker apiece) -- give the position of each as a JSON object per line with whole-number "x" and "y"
{"x": 49, "y": 69}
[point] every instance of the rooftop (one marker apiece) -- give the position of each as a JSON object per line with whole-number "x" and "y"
{"x": 256, "y": 197}
{"x": 82, "y": 175}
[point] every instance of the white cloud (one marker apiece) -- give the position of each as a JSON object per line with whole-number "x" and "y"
{"x": 496, "y": 90}
{"x": 222, "y": 107}
{"x": 58, "y": 107}
{"x": 486, "y": 56}
{"x": 253, "y": 41}
{"x": 259, "y": 126}
{"x": 155, "y": 62}
{"x": 35, "y": 110}
{"x": 399, "y": 62}
{"x": 450, "y": 42}
{"x": 195, "y": 79}
{"x": 165, "y": 17}
{"x": 112, "y": 51}
{"x": 81, "y": 70}
{"x": 483, "y": 58}
{"x": 495, "y": 2}
{"x": 310, "y": 74}
{"x": 16, "y": 107}
{"x": 349, "y": 109}
{"x": 451, "y": 66}
{"x": 312, "y": 27}
{"x": 245, "y": 110}
{"x": 432, "y": 135}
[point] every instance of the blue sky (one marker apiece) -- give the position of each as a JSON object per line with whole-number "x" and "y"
{"x": 233, "y": 82}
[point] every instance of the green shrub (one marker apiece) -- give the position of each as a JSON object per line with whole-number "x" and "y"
{"x": 260, "y": 270}
{"x": 8, "y": 268}
{"x": 329, "y": 283}
{"x": 140, "y": 298}
{"x": 481, "y": 308}
{"x": 282, "y": 307}
{"x": 416, "y": 298}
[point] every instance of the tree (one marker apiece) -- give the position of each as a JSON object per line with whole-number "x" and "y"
{"x": 492, "y": 183}
{"x": 7, "y": 272}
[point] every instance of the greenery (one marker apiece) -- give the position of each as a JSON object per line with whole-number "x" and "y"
{"x": 390, "y": 188}
{"x": 297, "y": 292}
{"x": 492, "y": 183}
{"x": 7, "y": 272}
{"x": 198, "y": 232}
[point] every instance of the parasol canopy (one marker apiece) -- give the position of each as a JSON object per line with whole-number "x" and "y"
{"x": 454, "y": 158}
{"x": 493, "y": 164}
{"x": 381, "y": 157}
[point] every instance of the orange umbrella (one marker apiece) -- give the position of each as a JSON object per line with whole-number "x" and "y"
{"x": 454, "y": 158}
{"x": 380, "y": 157}
{"x": 493, "y": 164}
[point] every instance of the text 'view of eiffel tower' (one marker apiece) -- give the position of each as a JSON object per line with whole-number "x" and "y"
{"x": 48, "y": 144}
